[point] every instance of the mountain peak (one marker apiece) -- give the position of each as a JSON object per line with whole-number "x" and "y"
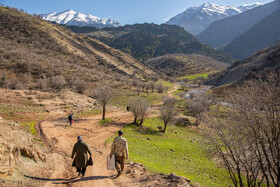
{"x": 196, "y": 19}
{"x": 208, "y": 4}
{"x": 71, "y": 17}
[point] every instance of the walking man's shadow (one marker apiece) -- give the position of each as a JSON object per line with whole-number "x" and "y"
{"x": 68, "y": 181}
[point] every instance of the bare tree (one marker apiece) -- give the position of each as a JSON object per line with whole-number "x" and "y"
{"x": 42, "y": 84}
{"x": 58, "y": 82}
{"x": 185, "y": 87}
{"x": 247, "y": 135}
{"x": 104, "y": 95}
{"x": 168, "y": 111}
{"x": 152, "y": 86}
{"x": 139, "y": 107}
{"x": 198, "y": 105}
{"x": 159, "y": 87}
{"x": 154, "y": 78}
{"x": 142, "y": 85}
{"x": 181, "y": 95}
{"x": 79, "y": 85}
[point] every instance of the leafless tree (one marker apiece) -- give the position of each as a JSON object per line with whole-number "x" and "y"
{"x": 42, "y": 84}
{"x": 104, "y": 95}
{"x": 197, "y": 105}
{"x": 154, "y": 78}
{"x": 159, "y": 87}
{"x": 139, "y": 107}
{"x": 247, "y": 135}
{"x": 198, "y": 80}
{"x": 152, "y": 86}
{"x": 181, "y": 95}
{"x": 185, "y": 87}
{"x": 142, "y": 86}
{"x": 79, "y": 85}
{"x": 168, "y": 111}
{"x": 58, "y": 82}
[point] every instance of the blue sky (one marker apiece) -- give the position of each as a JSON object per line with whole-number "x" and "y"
{"x": 124, "y": 11}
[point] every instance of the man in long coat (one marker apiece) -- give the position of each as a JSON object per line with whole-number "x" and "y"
{"x": 80, "y": 151}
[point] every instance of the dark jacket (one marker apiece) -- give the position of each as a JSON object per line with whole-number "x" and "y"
{"x": 80, "y": 151}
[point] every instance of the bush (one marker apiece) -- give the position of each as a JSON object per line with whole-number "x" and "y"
{"x": 139, "y": 107}
{"x": 58, "y": 82}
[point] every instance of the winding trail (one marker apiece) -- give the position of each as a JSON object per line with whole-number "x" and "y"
{"x": 60, "y": 138}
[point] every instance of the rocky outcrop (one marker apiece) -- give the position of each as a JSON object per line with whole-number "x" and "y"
{"x": 17, "y": 148}
{"x": 33, "y": 153}
{"x": 9, "y": 155}
{"x": 138, "y": 172}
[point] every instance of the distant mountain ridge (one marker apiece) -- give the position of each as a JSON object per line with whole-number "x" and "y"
{"x": 70, "y": 17}
{"x": 263, "y": 34}
{"x": 145, "y": 41}
{"x": 262, "y": 64}
{"x": 222, "y": 32}
{"x": 196, "y": 19}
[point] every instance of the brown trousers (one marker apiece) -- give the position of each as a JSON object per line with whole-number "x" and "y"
{"x": 119, "y": 160}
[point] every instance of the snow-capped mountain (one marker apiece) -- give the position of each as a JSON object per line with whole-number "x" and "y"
{"x": 196, "y": 19}
{"x": 70, "y": 17}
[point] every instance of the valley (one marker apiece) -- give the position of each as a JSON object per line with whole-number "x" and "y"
{"x": 193, "y": 116}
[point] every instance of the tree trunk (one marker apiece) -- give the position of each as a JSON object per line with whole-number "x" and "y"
{"x": 196, "y": 121}
{"x": 104, "y": 110}
{"x": 165, "y": 125}
{"x": 141, "y": 121}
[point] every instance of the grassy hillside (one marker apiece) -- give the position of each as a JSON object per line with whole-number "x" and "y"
{"x": 180, "y": 150}
{"x": 261, "y": 64}
{"x": 38, "y": 54}
{"x": 263, "y": 34}
{"x": 145, "y": 41}
{"x": 178, "y": 65}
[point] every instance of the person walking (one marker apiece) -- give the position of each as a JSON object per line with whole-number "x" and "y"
{"x": 70, "y": 118}
{"x": 120, "y": 150}
{"x": 80, "y": 151}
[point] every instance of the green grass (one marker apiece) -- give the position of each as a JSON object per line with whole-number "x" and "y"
{"x": 107, "y": 120}
{"x": 90, "y": 113}
{"x": 166, "y": 83}
{"x": 191, "y": 77}
{"x": 123, "y": 97}
{"x": 189, "y": 158}
{"x": 30, "y": 126}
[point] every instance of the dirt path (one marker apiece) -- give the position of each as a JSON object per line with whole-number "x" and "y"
{"x": 174, "y": 88}
{"x": 62, "y": 138}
